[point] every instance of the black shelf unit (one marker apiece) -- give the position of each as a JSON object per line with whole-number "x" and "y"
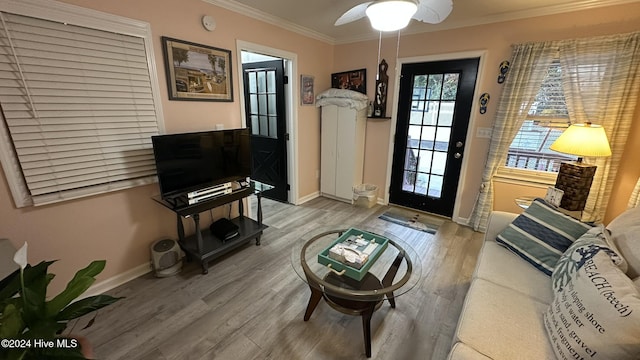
{"x": 204, "y": 246}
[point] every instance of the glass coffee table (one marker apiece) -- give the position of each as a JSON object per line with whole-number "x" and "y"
{"x": 394, "y": 273}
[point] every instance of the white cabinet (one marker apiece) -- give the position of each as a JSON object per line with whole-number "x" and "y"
{"x": 342, "y": 151}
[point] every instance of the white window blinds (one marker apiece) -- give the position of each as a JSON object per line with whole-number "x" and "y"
{"x": 78, "y": 106}
{"x": 547, "y": 118}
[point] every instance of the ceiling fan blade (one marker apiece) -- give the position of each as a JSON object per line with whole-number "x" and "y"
{"x": 433, "y": 11}
{"x": 355, "y": 13}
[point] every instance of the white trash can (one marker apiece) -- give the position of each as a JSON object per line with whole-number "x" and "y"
{"x": 365, "y": 195}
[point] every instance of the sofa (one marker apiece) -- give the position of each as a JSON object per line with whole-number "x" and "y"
{"x": 510, "y": 301}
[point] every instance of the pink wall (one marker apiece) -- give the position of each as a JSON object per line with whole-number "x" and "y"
{"x": 496, "y": 40}
{"x": 629, "y": 174}
{"x": 120, "y": 226}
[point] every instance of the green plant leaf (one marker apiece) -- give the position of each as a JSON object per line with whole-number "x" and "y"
{"x": 11, "y": 324}
{"x": 15, "y": 354}
{"x": 85, "y": 306}
{"x": 33, "y": 298}
{"x": 10, "y": 286}
{"x": 4, "y": 283}
{"x": 78, "y": 285}
{"x": 44, "y": 328}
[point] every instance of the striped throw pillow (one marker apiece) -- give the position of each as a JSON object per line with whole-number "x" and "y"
{"x": 541, "y": 234}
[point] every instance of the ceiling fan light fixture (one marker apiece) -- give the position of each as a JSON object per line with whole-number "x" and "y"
{"x": 391, "y": 15}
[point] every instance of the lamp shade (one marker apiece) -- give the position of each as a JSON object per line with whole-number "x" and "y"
{"x": 583, "y": 140}
{"x": 391, "y": 15}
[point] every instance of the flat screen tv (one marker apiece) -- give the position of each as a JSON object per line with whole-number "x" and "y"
{"x": 192, "y": 161}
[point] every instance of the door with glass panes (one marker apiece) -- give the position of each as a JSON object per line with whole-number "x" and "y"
{"x": 434, "y": 107}
{"x": 265, "y": 112}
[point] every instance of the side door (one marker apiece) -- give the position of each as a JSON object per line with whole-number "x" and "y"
{"x": 265, "y": 113}
{"x": 434, "y": 107}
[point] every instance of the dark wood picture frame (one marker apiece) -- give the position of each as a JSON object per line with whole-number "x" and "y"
{"x": 197, "y": 72}
{"x": 352, "y": 80}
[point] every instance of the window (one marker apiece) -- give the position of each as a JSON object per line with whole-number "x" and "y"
{"x": 548, "y": 117}
{"x": 79, "y": 104}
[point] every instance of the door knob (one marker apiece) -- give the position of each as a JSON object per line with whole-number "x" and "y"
{"x": 457, "y": 155}
{"x": 459, "y": 144}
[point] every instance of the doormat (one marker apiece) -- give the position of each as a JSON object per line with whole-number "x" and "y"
{"x": 412, "y": 219}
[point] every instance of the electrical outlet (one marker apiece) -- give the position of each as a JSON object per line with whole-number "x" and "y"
{"x": 483, "y": 132}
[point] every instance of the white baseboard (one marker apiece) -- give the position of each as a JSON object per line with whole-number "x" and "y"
{"x": 309, "y": 197}
{"x": 461, "y": 221}
{"x": 115, "y": 281}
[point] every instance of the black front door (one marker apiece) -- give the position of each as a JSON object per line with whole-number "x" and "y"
{"x": 434, "y": 106}
{"x": 265, "y": 113}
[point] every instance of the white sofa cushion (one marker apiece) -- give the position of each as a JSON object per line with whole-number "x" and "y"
{"x": 597, "y": 314}
{"x": 541, "y": 234}
{"x": 461, "y": 351}
{"x": 503, "y": 324}
{"x": 498, "y": 220}
{"x": 499, "y": 265}
{"x": 625, "y": 232}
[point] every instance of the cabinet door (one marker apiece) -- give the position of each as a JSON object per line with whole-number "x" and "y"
{"x": 328, "y": 146}
{"x": 346, "y": 153}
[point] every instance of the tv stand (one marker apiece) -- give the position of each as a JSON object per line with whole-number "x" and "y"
{"x": 204, "y": 246}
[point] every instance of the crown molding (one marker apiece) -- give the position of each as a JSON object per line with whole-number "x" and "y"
{"x": 494, "y": 18}
{"x": 271, "y": 19}
{"x": 532, "y": 13}
{"x": 446, "y": 25}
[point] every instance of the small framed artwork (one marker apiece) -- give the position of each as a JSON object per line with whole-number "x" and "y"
{"x": 554, "y": 196}
{"x": 197, "y": 72}
{"x": 351, "y": 80}
{"x": 307, "y": 93}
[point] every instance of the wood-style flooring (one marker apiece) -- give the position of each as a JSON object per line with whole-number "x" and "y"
{"x": 251, "y": 304}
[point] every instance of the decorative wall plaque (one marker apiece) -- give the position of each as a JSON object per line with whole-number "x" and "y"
{"x": 380, "y": 100}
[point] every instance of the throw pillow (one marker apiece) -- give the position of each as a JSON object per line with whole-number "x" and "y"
{"x": 625, "y": 232}
{"x": 583, "y": 249}
{"x": 619, "y": 260}
{"x": 596, "y": 315}
{"x": 541, "y": 234}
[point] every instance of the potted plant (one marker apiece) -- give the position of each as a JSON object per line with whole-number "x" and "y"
{"x": 31, "y": 327}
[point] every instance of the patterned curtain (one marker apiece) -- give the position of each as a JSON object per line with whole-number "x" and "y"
{"x": 529, "y": 64}
{"x": 604, "y": 94}
{"x": 635, "y": 196}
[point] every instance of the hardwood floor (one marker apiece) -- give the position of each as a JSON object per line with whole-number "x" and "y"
{"x": 251, "y": 304}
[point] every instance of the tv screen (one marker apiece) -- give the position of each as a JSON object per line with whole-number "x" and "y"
{"x": 192, "y": 161}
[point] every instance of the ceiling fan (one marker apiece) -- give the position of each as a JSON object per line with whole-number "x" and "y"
{"x": 390, "y": 15}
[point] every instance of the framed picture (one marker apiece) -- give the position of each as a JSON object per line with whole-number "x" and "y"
{"x": 307, "y": 93}
{"x": 352, "y": 80}
{"x": 197, "y": 72}
{"x": 554, "y": 196}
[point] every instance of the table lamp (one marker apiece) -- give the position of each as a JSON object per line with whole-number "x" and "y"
{"x": 575, "y": 177}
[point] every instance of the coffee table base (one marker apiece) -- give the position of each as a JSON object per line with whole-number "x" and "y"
{"x": 365, "y": 309}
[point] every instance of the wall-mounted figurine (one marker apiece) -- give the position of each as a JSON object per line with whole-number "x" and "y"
{"x": 484, "y": 100}
{"x": 504, "y": 69}
{"x": 380, "y": 100}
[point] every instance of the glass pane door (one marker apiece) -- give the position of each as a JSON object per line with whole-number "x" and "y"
{"x": 431, "y": 117}
{"x": 434, "y": 107}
